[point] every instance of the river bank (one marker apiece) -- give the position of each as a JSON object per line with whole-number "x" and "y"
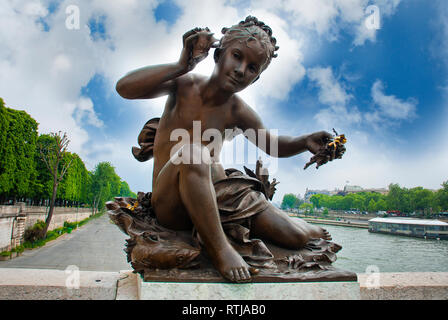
{"x": 338, "y": 221}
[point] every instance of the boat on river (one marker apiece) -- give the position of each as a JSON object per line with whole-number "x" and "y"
{"x": 421, "y": 228}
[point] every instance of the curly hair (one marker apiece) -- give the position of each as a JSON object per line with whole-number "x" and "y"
{"x": 249, "y": 30}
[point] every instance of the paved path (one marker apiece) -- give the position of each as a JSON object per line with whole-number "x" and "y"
{"x": 96, "y": 246}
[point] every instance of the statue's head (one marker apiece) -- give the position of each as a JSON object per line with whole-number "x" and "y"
{"x": 245, "y": 32}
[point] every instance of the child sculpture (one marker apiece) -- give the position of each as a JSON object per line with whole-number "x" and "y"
{"x": 185, "y": 193}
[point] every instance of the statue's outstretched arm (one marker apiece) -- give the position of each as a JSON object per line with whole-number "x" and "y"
{"x": 276, "y": 145}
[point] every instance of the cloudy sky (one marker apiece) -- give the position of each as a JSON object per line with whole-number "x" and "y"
{"x": 379, "y": 77}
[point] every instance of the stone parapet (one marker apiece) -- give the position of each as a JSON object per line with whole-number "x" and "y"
{"x": 14, "y": 220}
{"x": 404, "y": 286}
{"x": 46, "y": 284}
{"x": 124, "y": 285}
{"x": 58, "y": 217}
{"x": 5, "y": 209}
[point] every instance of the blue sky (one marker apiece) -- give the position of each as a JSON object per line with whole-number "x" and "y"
{"x": 400, "y": 57}
{"x": 386, "y": 90}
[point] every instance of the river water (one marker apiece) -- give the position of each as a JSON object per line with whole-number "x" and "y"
{"x": 365, "y": 252}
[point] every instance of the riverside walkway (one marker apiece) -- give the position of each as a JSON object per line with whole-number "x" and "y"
{"x": 96, "y": 246}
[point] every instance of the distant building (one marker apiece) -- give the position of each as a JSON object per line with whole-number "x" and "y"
{"x": 355, "y": 189}
{"x": 352, "y": 189}
{"x": 337, "y": 192}
{"x": 310, "y": 193}
{"x": 377, "y": 190}
{"x": 347, "y": 190}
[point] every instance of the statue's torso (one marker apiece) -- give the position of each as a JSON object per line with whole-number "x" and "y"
{"x": 185, "y": 112}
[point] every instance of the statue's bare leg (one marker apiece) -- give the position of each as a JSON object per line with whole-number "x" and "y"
{"x": 184, "y": 196}
{"x": 276, "y": 226}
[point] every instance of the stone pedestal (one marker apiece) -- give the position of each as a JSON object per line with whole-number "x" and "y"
{"x": 248, "y": 291}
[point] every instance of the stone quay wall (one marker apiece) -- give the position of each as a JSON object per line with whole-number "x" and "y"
{"x": 14, "y": 220}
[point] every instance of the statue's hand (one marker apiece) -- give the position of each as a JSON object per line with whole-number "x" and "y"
{"x": 325, "y": 148}
{"x": 196, "y": 44}
{"x": 318, "y": 140}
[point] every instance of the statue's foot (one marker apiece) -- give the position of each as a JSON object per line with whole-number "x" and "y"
{"x": 319, "y": 232}
{"x": 233, "y": 267}
{"x": 326, "y": 235}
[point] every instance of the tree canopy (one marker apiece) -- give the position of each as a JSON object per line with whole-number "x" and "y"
{"x": 405, "y": 200}
{"x": 24, "y": 174}
{"x": 18, "y": 136}
{"x": 289, "y": 201}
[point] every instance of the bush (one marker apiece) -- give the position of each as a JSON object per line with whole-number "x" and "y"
{"x": 5, "y": 253}
{"x": 69, "y": 225}
{"x": 18, "y": 249}
{"x": 51, "y": 235}
{"x": 35, "y": 232}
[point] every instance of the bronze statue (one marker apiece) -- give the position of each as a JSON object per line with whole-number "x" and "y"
{"x": 197, "y": 206}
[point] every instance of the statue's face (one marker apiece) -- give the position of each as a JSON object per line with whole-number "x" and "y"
{"x": 240, "y": 64}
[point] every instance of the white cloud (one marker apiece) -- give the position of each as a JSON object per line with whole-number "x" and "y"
{"x": 32, "y": 8}
{"x": 61, "y": 64}
{"x": 362, "y": 34}
{"x": 84, "y": 112}
{"x": 328, "y": 18}
{"x": 333, "y": 94}
{"x": 439, "y": 44}
{"x": 391, "y": 107}
{"x": 330, "y": 90}
{"x": 314, "y": 14}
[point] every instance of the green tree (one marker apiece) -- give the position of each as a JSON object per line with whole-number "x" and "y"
{"x": 74, "y": 186}
{"x": 17, "y": 148}
{"x": 381, "y": 205}
{"x": 316, "y": 200}
{"x": 308, "y": 207}
{"x": 125, "y": 191}
{"x": 441, "y": 197}
{"x": 421, "y": 199}
{"x": 372, "y": 206}
{"x": 52, "y": 155}
{"x": 6, "y": 168}
{"x": 44, "y": 181}
{"x": 105, "y": 185}
{"x": 347, "y": 201}
{"x": 288, "y": 202}
{"x": 398, "y": 198}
